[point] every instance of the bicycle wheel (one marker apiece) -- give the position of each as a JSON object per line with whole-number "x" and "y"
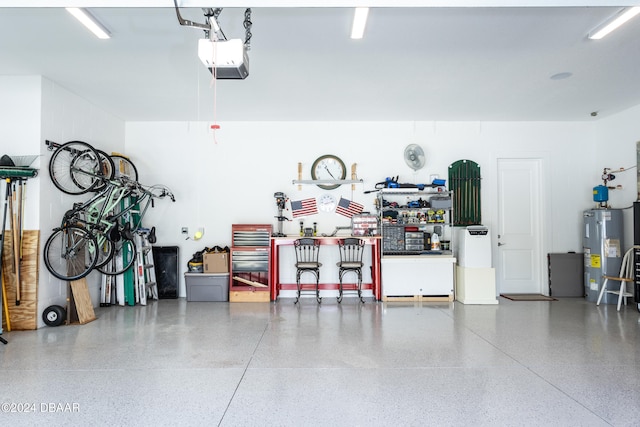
{"x": 105, "y": 252}
{"x": 70, "y": 252}
{"x": 75, "y": 167}
{"x": 124, "y": 249}
{"x": 107, "y": 170}
{"x": 124, "y": 167}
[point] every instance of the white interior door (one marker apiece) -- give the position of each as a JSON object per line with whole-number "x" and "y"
{"x": 519, "y": 260}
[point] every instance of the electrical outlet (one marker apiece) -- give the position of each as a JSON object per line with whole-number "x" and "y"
{"x": 185, "y": 230}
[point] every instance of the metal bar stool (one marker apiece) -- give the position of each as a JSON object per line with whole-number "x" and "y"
{"x": 307, "y": 250}
{"x": 351, "y": 251}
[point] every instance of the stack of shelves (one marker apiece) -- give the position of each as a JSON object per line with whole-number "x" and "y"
{"x": 413, "y": 266}
{"x": 250, "y": 278}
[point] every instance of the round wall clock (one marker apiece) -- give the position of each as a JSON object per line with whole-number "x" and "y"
{"x": 328, "y": 167}
{"x": 327, "y": 203}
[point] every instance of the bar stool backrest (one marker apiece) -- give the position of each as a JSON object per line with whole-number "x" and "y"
{"x": 307, "y": 251}
{"x": 351, "y": 251}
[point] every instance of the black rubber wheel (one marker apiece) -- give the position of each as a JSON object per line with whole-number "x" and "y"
{"x": 116, "y": 265}
{"x": 75, "y": 167}
{"x": 70, "y": 253}
{"x": 105, "y": 252}
{"x": 122, "y": 166}
{"x": 54, "y": 315}
{"x": 107, "y": 170}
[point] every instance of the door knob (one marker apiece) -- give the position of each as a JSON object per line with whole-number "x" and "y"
{"x": 501, "y": 244}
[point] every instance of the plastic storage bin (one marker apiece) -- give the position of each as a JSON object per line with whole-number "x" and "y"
{"x": 207, "y": 286}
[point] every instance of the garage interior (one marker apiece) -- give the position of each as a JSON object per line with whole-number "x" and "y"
{"x": 518, "y": 89}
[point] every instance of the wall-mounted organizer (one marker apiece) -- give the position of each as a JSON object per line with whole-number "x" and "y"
{"x": 414, "y": 264}
{"x": 250, "y": 277}
{"x": 464, "y": 181}
{"x": 409, "y": 220}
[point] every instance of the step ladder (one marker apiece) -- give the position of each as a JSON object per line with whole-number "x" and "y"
{"x": 108, "y": 290}
{"x": 146, "y": 285}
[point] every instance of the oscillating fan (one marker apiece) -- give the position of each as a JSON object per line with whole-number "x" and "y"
{"x": 414, "y": 156}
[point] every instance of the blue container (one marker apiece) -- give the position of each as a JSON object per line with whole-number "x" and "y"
{"x": 600, "y": 194}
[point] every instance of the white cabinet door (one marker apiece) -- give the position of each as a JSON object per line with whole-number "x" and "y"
{"x": 419, "y": 275}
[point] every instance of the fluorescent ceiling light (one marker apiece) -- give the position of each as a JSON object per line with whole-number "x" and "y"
{"x": 614, "y": 22}
{"x": 90, "y": 22}
{"x": 359, "y": 22}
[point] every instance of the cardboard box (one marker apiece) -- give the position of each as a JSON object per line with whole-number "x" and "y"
{"x": 216, "y": 262}
{"x": 207, "y": 287}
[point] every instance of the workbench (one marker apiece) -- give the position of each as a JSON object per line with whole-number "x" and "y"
{"x": 328, "y": 269}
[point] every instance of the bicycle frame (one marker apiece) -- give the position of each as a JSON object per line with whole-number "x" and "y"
{"x": 95, "y": 209}
{"x": 96, "y": 218}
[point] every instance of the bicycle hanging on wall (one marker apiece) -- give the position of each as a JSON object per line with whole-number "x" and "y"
{"x": 96, "y": 232}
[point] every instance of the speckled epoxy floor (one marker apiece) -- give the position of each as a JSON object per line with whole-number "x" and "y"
{"x": 564, "y": 363}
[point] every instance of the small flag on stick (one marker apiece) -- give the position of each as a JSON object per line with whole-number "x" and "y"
{"x": 348, "y": 208}
{"x": 304, "y": 207}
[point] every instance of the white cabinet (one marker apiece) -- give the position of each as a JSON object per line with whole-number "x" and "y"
{"x": 421, "y": 275}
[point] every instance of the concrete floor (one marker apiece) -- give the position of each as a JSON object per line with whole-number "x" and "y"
{"x": 561, "y": 363}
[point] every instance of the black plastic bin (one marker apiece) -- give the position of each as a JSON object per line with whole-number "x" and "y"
{"x": 165, "y": 259}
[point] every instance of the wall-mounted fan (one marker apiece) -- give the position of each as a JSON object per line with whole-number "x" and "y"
{"x": 414, "y": 156}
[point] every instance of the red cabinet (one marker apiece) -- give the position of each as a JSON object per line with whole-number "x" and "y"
{"x": 250, "y": 278}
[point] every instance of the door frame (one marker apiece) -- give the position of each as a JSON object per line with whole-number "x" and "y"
{"x": 545, "y": 200}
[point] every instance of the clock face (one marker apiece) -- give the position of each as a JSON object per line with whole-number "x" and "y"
{"x": 327, "y": 203}
{"x": 328, "y": 167}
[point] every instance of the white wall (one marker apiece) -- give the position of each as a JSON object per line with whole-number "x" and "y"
{"x": 232, "y": 179}
{"x": 616, "y": 148}
{"x": 33, "y": 110}
{"x": 20, "y": 112}
{"x": 67, "y": 117}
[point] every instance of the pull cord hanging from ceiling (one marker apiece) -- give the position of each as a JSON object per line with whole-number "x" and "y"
{"x": 235, "y": 63}
{"x": 212, "y": 17}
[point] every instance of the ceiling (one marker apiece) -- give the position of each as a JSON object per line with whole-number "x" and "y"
{"x": 414, "y": 63}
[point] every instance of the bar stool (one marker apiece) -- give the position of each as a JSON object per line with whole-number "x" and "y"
{"x": 307, "y": 250}
{"x": 625, "y": 276}
{"x": 351, "y": 251}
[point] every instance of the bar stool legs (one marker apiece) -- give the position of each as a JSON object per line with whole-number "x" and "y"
{"x": 342, "y": 273}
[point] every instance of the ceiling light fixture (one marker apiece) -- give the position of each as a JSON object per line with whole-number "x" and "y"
{"x": 359, "y": 22}
{"x": 90, "y": 22}
{"x": 622, "y": 16}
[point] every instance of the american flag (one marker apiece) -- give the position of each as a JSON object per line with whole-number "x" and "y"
{"x": 348, "y": 208}
{"x": 304, "y": 207}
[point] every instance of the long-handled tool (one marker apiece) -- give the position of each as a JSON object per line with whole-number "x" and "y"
{"x": 6, "y": 307}
{"x": 15, "y": 237}
{"x": 2, "y": 235}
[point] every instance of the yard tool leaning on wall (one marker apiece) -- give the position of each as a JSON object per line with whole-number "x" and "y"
{"x": 15, "y": 199}
{"x": 15, "y": 178}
